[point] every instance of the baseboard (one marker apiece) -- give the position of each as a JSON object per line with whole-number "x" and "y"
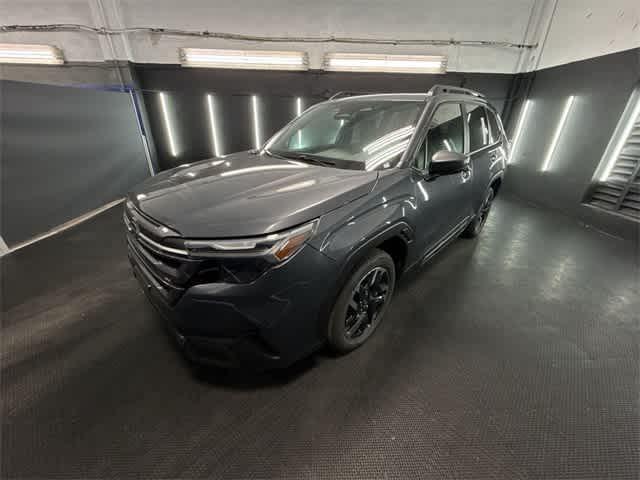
{"x": 59, "y": 228}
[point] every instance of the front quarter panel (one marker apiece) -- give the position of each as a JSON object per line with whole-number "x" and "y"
{"x": 370, "y": 220}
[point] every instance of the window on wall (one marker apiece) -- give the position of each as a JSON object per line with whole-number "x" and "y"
{"x": 617, "y": 181}
{"x": 478, "y": 127}
{"x": 446, "y": 132}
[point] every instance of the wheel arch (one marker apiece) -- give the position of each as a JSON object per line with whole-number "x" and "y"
{"x": 394, "y": 240}
{"x": 496, "y": 183}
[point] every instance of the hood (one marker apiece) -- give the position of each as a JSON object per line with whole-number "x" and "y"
{"x": 246, "y": 194}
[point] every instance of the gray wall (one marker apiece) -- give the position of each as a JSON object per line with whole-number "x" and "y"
{"x": 64, "y": 151}
{"x": 602, "y": 87}
{"x": 186, "y": 90}
{"x": 68, "y": 74}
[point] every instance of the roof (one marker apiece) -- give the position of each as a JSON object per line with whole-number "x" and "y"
{"x": 380, "y": 96}
{"x": 433, "y": 91}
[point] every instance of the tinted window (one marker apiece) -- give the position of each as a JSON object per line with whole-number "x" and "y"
{"x": 354, "y": 133}
{"x": 446, "y": 132}
{"x": 493, "y": 124}
{"x": 478, "y": 127}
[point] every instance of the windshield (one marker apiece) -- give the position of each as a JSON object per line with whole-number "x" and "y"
{"x": 354, "y": 133}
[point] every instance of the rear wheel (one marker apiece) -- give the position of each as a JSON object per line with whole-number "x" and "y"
{"x": 477, "y": 224}
{"x": 362, "y": 303}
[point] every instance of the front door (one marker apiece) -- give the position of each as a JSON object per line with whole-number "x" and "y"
{"x": 443, "y": 203}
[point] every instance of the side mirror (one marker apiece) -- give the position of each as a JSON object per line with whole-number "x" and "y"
{"x": 445, "y": 162}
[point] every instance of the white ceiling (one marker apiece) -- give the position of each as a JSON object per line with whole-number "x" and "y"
{"x": 579, "y": 28}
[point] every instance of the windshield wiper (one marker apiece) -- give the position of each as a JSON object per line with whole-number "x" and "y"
{"x": 305, "y": 157}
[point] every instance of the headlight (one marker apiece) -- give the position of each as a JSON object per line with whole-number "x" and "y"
{"x": 276, "y": 247}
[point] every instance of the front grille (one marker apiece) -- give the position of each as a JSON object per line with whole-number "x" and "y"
{"x": 156, "y": 248}
{"x": 160, "y": 252}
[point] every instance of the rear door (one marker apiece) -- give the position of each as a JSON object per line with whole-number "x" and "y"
{"x": 499, "y": 145}
{"x": 443, "y": 203}
{"x": 482, "y": 151}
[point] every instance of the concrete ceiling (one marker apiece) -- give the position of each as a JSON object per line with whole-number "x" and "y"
{"x": 568, "y": 30}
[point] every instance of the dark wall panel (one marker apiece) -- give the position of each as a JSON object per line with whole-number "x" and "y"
{"x": 186, "y": 90}
{"x": 64, "y": 151}
{"x": 601, "y": 87}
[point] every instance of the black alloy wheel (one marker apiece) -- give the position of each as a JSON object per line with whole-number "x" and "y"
{"x": 367, "y": 300}
{"x": 363, "y": 301}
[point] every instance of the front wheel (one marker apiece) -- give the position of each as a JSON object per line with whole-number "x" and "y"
{"x": 476, "y": 225}
{"x": 362, "y": 303}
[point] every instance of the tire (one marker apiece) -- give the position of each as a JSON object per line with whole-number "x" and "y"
{"x": 477, "y": 224}
{"x": 362, "y": 302}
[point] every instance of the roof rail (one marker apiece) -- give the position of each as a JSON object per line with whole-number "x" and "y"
{"x": 335, "y": 96}
{"x": 438, "y": 89}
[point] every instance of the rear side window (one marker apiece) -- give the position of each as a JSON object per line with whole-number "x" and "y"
{"x": 493, "y": 124}
{"x": 478, "y": 127}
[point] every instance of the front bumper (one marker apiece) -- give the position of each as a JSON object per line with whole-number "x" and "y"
{"x": 269, "y": 323}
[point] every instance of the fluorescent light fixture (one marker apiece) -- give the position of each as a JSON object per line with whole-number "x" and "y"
{"x": 244, "y": 59}
{"x": 516, "y": 136}
{"x": 388, "y": 138}
{"x": 263, "y": 168}
{"x": 212, "y": 123}
{"x": 364, "y": 62}
{"x": 167, "y": 124}
{"x": 386, "y": 155}
{"x": 620, "y": 136}
{"x": 297, "y": 186}
{"x": 256, "y": 121}
{"x": 32, "y": 54}
{"x": 558, "y": 132}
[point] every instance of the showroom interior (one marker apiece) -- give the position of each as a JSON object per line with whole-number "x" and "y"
{"x": 515, "y": 354}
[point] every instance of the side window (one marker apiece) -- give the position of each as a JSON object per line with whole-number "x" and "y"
{"x": 493, "y": 124}
{"x": 420, "y": 158}
{"x": 478, "y": 127}
{"x": 446, "y": 132}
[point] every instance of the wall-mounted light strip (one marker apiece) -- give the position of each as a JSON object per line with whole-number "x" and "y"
{"x": 485, "y": 131}
{"x": 363, "y": 62}
{"x": 556, "y": 136}
{"x": 298, "y": 106}
{"x": 629, "y": 117}
{"x": 256, "y": 121}
{"x": 215, "y": 143}
{"x": 30, "y": 54}
{"x": 298, "y": 113}
{"x": 167, "y": 124}
{"x": 519, "y": 127}
{"x": 244, "y": 59}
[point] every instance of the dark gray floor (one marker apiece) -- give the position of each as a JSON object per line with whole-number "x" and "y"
{"x": 512, "y": 356}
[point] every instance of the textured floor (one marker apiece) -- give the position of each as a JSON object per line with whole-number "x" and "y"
{"x": 512, "y": 356}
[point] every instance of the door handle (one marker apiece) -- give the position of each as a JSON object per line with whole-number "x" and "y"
{"x": 465, "y": 174}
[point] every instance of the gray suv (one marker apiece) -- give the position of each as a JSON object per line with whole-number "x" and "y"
{"x": 259, "y": 258}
